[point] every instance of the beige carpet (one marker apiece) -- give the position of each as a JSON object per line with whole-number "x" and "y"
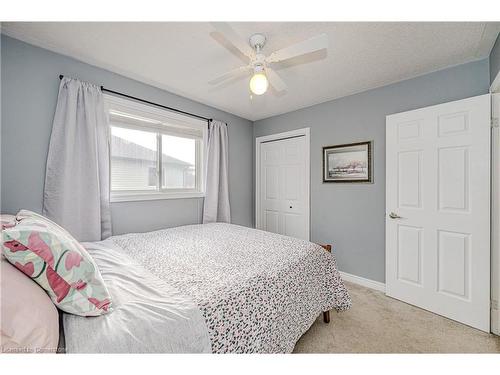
{"x": 379, "y": 324}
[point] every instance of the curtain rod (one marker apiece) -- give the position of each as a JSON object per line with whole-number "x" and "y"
{"x": 151, "y": 103}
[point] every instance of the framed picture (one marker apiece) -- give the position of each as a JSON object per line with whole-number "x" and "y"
{"x": 348, "y": 163}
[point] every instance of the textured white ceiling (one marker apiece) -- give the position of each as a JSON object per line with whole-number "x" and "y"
{"x": 183, "y": 57}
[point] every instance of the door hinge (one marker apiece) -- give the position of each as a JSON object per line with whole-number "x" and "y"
{"x": 494, "y": 122}
{"x": 494, "y": 304}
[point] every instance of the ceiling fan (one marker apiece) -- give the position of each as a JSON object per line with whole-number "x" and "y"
{"x": 259, "y": 65}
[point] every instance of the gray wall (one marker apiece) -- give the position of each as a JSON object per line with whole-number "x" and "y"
{"x": 495, "y": 60}
{"x": 29, "y": 83}
{"x": 351, "y": 216}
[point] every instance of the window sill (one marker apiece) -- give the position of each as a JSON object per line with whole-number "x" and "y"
{"x": 132, "y": 197}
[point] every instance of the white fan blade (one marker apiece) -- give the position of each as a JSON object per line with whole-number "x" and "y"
{"x": 275, "y": 80}
{"x": 231, "y": 74}
{"x": 227, "y": 32}
{"x": 313, "y": 44}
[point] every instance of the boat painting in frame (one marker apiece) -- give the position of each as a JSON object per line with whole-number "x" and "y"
{"x": 348, "y": 162}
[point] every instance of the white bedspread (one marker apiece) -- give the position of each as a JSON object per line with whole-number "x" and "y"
{"x": 258, "y": 292}
{"x": 149, "y": 314}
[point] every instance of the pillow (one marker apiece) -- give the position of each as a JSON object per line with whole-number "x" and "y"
{"x": 58, "y": 263}
{"x": 7, "y": 221}
{"x": 29, "y": 320}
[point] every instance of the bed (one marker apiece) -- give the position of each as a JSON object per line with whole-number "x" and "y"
{"x": 209, "y": 288}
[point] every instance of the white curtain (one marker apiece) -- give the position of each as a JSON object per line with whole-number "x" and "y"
{"x": 76, "y": 193}
{"x": 216, "y": 203}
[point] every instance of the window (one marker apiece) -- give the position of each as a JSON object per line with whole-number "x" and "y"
{"x": 152, "y": 176}
{"x": 155, "y": 153}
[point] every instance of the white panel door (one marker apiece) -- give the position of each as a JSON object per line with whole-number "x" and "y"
{"x": 438, "y": 209}
{"x": 283, "y": 198}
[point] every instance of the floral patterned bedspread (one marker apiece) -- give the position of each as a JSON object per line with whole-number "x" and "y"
{"x": 259, "y": 292}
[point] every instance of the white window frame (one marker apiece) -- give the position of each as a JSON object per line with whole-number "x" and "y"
{"x": 159, "y": 116}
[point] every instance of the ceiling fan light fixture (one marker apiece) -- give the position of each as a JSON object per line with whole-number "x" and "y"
{"x": 263, "y": 73}
{"x": 259, "y": 83}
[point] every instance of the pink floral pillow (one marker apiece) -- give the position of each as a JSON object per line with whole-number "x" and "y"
{"x": 57, "y": 262}
{"x": 7, "y": 221}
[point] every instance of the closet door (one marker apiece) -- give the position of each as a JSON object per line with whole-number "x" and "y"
{"x": 283, "y": 196}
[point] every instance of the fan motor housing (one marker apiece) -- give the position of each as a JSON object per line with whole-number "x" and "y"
{"x": 257, "y": 41}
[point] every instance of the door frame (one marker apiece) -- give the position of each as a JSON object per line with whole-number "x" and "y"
{"x": 495, "y": 206}
{"x": 305, "y": 132}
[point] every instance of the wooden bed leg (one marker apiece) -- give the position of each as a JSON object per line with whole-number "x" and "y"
{"x": 326, "y": 316}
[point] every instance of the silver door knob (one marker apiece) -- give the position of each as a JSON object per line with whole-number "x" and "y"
{"x": 392, "y": 215}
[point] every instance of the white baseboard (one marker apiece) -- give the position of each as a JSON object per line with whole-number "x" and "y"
{"x": 372, "y": 284}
